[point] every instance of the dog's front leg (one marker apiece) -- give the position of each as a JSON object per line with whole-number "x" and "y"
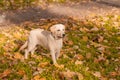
{"x": 26, "y": 54}
{"x": 52, "y": 52}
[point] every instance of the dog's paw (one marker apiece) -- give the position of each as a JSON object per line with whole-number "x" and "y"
{"x": 59, "y": 66}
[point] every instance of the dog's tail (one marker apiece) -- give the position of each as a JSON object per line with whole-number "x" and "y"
{"x": 23, "y": 46}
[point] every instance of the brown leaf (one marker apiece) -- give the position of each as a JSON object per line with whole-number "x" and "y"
{"x": 67, "y": 74}
{"x": 43, "y": 64}
{"x": 59, "y": 66}
{"x": 78, "y": 62}
{"x": 70, "y": 42}
{"x": 21, "y": 72}
{"x": 94, "y": 29}
{"x": 80, "y": 76}
{"x": 37, "y": 77}
{"x": 101, "y": 48}
{"x": 100, "y": 39}
{"x": 74, "y": 28}
{"x": 39, "y": 57}
{"x": 78, "y": 56}
{"x": 97, "y": 74}
{"x": 96, "y": 60}
{"x": 42, "y": 79}
{"x": 113, "y": 73}
{"x": 118, "y": 48}
{"x": 88, "y": 55}
{"x": 25, "y": 77}
{"x": 76, "y": 47}
{"x": 85, "y": 38}
{"x": 101, "y": 58}
{"x": 18, "y": 56}
{"x": 84, "y": 29}
{"x": 5, "y": 73}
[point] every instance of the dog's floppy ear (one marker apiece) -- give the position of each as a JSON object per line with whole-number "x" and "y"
{"x": 52, "y": 28}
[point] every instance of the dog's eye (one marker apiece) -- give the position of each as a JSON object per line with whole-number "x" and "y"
{"x": 58, "y": 30}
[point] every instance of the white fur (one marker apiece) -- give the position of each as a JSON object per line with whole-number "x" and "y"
{"x": 51, "y": 40}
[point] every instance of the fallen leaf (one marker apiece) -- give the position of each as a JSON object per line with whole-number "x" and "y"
{"x": 101, "y": 58}
{"x": 17, "y": 35}
{"x": 84, "y": 29}
{"x": 100, "y": 39}
{"x": 5, "y": 73}
{"x": 85, "y": 38}
{"x": 80, "y": 76}
{"x": 76, "y": 47}
{"x": 88, "y": 55}
{"x": 18, "y": 56}
{"x": 67, "y": 74}
{"x": 35, "y": 73}
{"x": 70, "y": 42}
{"x": 25, "y": 77}
{"x": 59, "y": 66}
{"x": 37, "y": 77}
{"x": 95, "y": 29}
{"x": 87, "y": 68}
{"x": 79, "y": 56}
{"x": 78, "y": 62}
{"x": 42, "y": 79}
{"x": 43, "y": 64}
{"x": 101, "y": 48}
{"x": 118, "y": 48}
{"x": 96, "y": 60}
{"x": 21, "y": 72}
{"x": 39, "y": 71}
{"x": 66, "y": 56}
{"x": 74, "y": 28}
{"x": 113, "y": 73}
{"x": 97, "y": 74}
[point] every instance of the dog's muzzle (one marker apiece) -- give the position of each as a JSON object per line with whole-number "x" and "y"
{"x": 63, "y": 35}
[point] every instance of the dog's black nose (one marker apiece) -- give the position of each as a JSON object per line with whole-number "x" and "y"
{"x": 63, "y": 35}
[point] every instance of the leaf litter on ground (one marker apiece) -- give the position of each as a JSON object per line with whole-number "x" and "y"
{"x": 90, "y": 51}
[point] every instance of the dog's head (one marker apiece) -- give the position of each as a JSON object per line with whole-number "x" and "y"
{"x": 58, "y": 31}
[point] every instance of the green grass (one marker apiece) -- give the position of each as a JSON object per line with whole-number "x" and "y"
{"x": 103, "y": 61}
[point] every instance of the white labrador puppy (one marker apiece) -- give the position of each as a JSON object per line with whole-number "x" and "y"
{"x": 51, "y": 40}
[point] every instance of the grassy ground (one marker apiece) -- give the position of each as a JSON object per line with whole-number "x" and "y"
{"x": 91, "y": 51}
